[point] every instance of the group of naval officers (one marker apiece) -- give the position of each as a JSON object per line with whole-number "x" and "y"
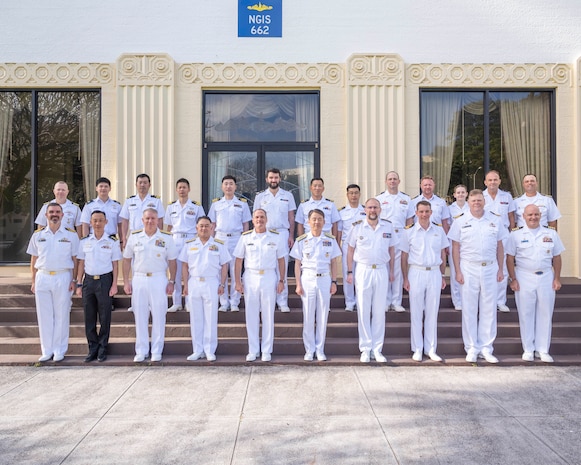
{"x": 389, "y": 244}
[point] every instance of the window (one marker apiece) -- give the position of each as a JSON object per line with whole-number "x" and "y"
{"x": 246, "y": 133}
{"x": 466, "y": 133}
{"x": 45, "y": 137}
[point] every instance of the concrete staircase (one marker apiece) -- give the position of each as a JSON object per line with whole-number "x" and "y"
{"x": 19, "y": 343}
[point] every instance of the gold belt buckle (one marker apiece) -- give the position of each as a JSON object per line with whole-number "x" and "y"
{"x": 149, "y": 275}
{"x": 428, "y": 268}
{"x": 52, "y": 273}
{"x": 260, "y": 271}
{"x": 202, "y": 279}
{"x": 483, "y": 263}
{"x": 95, "y": 277}
{"x": 374, "y": 266}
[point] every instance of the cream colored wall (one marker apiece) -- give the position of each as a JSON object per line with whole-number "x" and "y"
{"x": 152, "y": 121}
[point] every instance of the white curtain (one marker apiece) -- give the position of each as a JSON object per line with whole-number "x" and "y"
{"x": 89, "y": 141}
{"x": 6, "y": 114}
{"x": 526, "y": 131}
{"x": 440, "y": 114}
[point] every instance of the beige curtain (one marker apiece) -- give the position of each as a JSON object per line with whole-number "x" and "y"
{"x": 89, "y": 141}
{"x": 526, "y": 131}
{"x": 6, "y": 114}
{"x": 440, "y": 114}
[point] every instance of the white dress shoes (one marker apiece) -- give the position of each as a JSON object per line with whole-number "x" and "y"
{"x": 417, "y": 356}
{"x": 321, "y": 357}
{"x": 266, "y": 357}
{"x": 528, "y": 356}
{"x": 45, "y": 358}
{"x": 210, "y": 357}
{"x": 503, "y": 308}
{"x": 434, "y": 356}
{"x": 174, "y": 308}
{"x": 58, "y": 357}
{"x": 471, "y": 357}
{"x": 545, "y": 357}
{"x": 308, "y": 357}
{"x": 251, "y": 357}
{"x": 379, "y": 357}
{"x": 365, "y": 357}
{"x": 196, "y": 356}
{"x": 156, "y": 357}
{"x": 139, "y": 358}
{"x": 489, "y": 358}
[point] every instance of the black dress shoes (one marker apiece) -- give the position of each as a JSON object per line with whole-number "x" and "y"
{"x": 89, "y": 358}
{"x": 102, "y": 357}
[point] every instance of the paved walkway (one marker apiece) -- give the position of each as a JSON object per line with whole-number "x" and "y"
{"x": 290, "y": 415}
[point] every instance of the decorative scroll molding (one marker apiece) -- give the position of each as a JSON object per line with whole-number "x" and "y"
{"x": 387, "y": 69}
{"x": 265, "y": 74}
{"x": 55, "y": 74}
{"x": 145, "y": 70}
{"x": 523, "y": 74}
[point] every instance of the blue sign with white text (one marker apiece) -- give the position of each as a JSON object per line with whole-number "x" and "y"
{"x": 259, "y": 19}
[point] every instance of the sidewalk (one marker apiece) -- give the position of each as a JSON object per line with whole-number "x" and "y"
{"x": 290, "y": 415}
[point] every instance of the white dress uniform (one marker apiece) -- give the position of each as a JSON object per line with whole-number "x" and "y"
{"x": 315, "y": 254}
{"x": 52, "y": 296}
{"x": 260, "y": 252}
{"x": 371, "y": 277}
{"x": 71, "y": 214}
{"x": 455, "y": 288}
{"x": 534, "y": 251}
{"x": 325, "y": 205}
{"x": 133, "y": 208}
{"x": 149, "y": 272}
{"x": 424, "y": 248}
{"x": 111, "y": 208}
{"x": 204, "y": 264}
{"x": 546, "y": 204}
{"x": 349, "y": 216}
{"x": 277, "y": 208}
{"x": 395, "y": 208}
{"x": 440, "y": 210}
{"x": 478, "y": 238}
{"x": 182, "y": 220}
{"x": 98, "y": 255}
{"x": 502, "y": 205}
{"x": 229, "y": 216}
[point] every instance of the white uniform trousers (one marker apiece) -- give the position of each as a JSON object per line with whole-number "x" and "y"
{"x": 535, "y": 303}
{"x": 502, "y": 286}
{"x": 282, "y": 298}
{"x": 179, "y": 241}
{"x": 455, "y": 286}
{"x": 53, "y": 308}
{"x": 348, "y": 289}
{"x": 316, "y": 303}
{"x": 371, "y": 289}
{"x": 230, "y": 297}
{"x": 260, "y": 300}
{"x": 149, "y": 293}
{"x": 425, "y": 289}
{"x": 202, "y": 301}
{"x": 395, "y": 287}
{"x": 479, "y": 306}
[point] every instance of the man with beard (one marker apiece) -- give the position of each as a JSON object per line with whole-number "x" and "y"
{"x": 371, "y": 246}
{"x": 280, "y": 207}
{"x": 53, "y": 263}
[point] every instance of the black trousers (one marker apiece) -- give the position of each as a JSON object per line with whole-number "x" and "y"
{"x": 97, "y": 305}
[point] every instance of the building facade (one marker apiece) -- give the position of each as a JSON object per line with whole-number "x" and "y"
{"x": 451, "y": 95}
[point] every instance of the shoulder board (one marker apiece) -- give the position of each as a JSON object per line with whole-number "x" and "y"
{"x": 155, "y": 196}
{"x": 301, "y": 237}
{"x": 242, "y": 199}
{"x": 84, "y": 237}
{"x": 328, "y": 200}
{"x": 436, "y": 224}
{"x": 247, "y": 232}
{"x": 195, "y": 202}
{"x": 137, "y": 231}
{"x": 40, "y": 228}
{"x": 409, "y": 226}
{"x": 46, "y": 203}
{"x": 550, "y": 227}
{"x": 163, "y": 231}
{"x": 90, "y": 201}
{"x": 171, "y": 203}
{"x": 260, "y": 192}
{"x": 402, "y": 192}
{"x": 131, "y": 196}
{"x": 306, "y": 200}
{"x": 383, "y": 219}
{"x": 329, "y": 235}
{"x": 516, "y": 228}
{"x": 216, "y": 199}
{"x": 216, "y": 240}
{"x": 75, "y": 204}
{"x": 458, "y": 216}
{"x": 273, "y": 231}
{"x": 114, "y": 237}
{"x": 116, "y": 201}
{"x": 357, "y": 222}
{"x": 495, "y": 214}
{"x": 379, "y": 194}
{"x": 193, "y": 239}
{"x": 71, "y": 230}
{"x": 343, "y": 207}
{"x": 416, "y": 196}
